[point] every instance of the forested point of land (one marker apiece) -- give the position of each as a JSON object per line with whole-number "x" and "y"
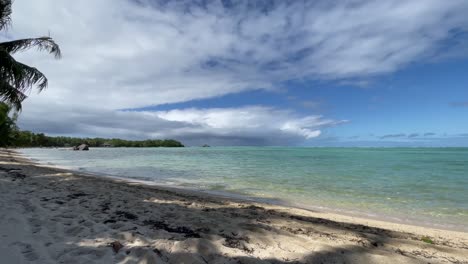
{"x": 30, "y": 139}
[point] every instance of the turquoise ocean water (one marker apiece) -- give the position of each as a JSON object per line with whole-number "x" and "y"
{"x": 427, "y": 186}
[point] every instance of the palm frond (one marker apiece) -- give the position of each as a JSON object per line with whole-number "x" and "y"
{"x": 16, "y": 78}
{"x": 20, "y": 75}
{"x": 32, "y": 76}
{"x": 42, "y": 43}
{"x": 11, "y": 95}
{"x": 5, "y": 13}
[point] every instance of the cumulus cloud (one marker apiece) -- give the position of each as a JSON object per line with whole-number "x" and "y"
{"x": 121, "y": 54}
{"x": 258, "y": 122}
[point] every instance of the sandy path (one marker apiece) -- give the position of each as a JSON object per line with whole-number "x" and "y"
{"x": 50, "y": 215}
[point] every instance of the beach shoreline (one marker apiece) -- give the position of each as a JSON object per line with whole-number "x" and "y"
{"x": 348, "y": 212}
{"x": 169, "y": 225}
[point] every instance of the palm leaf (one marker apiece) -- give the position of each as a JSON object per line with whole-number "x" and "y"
{"x": 11, "y": 95}
{"x": 16, "y": 78}
{"x": 20, "y": 75}
{"x": 5, "y": 13}
{"x": 42, "y": 43}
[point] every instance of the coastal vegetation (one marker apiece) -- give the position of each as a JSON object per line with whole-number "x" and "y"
{"x": 30, "y": 139}
{"x": 7, "y": 125}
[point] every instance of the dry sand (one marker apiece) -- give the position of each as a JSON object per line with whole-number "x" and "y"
{"x": 50, "y": 215}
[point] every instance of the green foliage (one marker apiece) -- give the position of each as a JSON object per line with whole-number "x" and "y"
{"x": 29, "y": 139}
{"x": 427, "y": 240}
{"x": 16, "y": 78}
{"x": 7, "y": 126}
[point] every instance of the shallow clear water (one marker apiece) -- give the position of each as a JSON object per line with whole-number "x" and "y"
{"x": 424, "y": 185}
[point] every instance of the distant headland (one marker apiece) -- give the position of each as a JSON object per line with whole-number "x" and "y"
{"x": 30, "y": 139}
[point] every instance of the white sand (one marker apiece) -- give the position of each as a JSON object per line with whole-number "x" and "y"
{"x": 49, "y": 215}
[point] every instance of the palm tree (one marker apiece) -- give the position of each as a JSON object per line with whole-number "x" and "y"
{"x": 16, "y": 78}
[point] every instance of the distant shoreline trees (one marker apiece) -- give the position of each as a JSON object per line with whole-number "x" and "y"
{"x": 24, "y": 139}
{"x": 7, "y": 125}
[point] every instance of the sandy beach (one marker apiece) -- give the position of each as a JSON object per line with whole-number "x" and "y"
{"x": 50, "y": 215}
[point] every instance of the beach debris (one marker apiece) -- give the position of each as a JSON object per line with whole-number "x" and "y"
{"x": 9, "y": 170}
{"x": 161, "y": 255}
{"x": 105, "y": 206}
{"x": 13, "y": 173}
{"x": 427, "y": 240}
{"x": 399, "y": 251}
{"x": 238, "y": 242}
{"x": 187, "y": 232}
{"x": 157, "y": 251}
{"x": 76, "y": 195}
{"x": 116, "y": 246}
{"x": 110, "y": 221}
{"x": 126, "y": 215}
{"x": 254, "y": 207}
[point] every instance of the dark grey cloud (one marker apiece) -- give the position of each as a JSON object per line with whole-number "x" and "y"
{"x": 393, "y": 136}
{"x": 103, "y": 123}
{"x": 410, "y": 136}
{"x": 253, "y": 125}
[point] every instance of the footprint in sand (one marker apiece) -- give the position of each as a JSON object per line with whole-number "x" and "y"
{"x": 35, "y": 225}
{"x": 27, "y": 251}
{"x": 28, "y": 207}
{"x": 74, "y": 231}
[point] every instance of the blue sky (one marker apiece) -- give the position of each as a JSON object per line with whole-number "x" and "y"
{"x": 421, "y": 105}
{"x": 315, "y": 73}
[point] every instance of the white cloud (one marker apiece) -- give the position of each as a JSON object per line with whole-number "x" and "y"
{"x": 119, "y": 54}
